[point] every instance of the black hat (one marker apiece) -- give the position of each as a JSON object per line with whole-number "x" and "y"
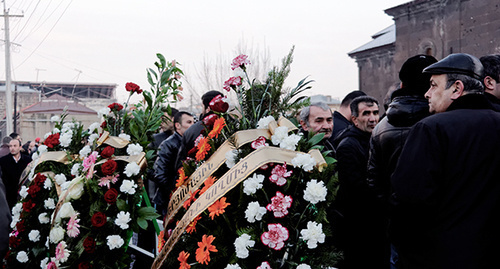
{"x": 458, "y": 63}
{"x": 414, "y": 81}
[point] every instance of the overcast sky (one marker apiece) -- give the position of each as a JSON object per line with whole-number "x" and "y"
{"x": 114, "y": 41}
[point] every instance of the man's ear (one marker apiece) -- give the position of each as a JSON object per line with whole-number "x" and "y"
{"x": 489, "y": 83}
{"x": 304, "y": 125}
{"x": 354, "y": 120}
{"x": 177, "y": 125}
{"x": 458, "y": 89}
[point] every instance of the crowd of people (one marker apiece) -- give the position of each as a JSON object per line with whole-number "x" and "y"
{"x": 418, "y": 185}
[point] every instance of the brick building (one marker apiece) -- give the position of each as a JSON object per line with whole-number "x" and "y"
{"x": 432, "y": 27}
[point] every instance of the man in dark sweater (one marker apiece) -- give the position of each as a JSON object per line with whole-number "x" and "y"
{"x": 12, "y": 166}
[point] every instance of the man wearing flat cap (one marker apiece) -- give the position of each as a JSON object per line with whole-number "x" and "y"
{"x": 446, "y": 185}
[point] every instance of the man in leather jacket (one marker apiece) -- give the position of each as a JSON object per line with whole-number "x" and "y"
{"x": 445, "y": 185}
{"x": 165, "y": 170}
{"x": 491, "y": 80}
{"x": 407, "y": 107}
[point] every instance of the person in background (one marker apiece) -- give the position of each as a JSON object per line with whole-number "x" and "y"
{"x": 491, "y": 80}
{"x": 317, "y": 118}
{"x": 12, "y": 166}
{"x": 342, "y": 117}
{"x": 4, "y": 149}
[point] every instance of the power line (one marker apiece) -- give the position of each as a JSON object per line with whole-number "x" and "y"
{"x": 34, "y": 28}
{"x": 27, "y": 21}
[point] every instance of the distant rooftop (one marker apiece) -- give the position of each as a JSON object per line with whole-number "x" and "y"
{"x": 71, "y": 90}
{"x": 56, "y": 104}
{"x": 385, "y": 37}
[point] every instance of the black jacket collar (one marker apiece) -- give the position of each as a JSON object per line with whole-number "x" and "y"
{"x": 470, "y": 101}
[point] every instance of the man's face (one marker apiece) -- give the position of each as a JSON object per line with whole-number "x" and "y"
{"x": 320, "y": 121}
{"x": 186, "y": 122}
{"x": 367, "y": 117}
{"x": 14, "y": 147}
{"x": 438, "y": 96}
{"x": 32, "y": 146}
{"x": 167, "y": 123}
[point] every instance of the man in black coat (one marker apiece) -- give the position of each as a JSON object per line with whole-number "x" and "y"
{"x": 407, "y": 107}
{"x": 165, "y": 170}
{"x": 446, "y": 187}
{"x": 342, "y": 117}
{"x": 12, "y": 166}
{"x": 491, "y": 80}
{"x": 361, "y": 232}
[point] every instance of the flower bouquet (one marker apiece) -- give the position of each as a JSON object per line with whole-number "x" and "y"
{"x": 82, "y": 198}
{"x": 253, "y": 192}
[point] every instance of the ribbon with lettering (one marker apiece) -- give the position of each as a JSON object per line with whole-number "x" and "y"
{"x": 228, "y": 181}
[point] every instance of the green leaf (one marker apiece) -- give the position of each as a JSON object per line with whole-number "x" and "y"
{"x": 121, "y": 205}
{"x": 148, "y": 98}
{"x": 165, "y": 77}
{"x": 162, "y": 59}
{"x": 316, "y": 139}
{"x": 147, "y": 213}
{"x": 330, "y": 160}
{"x": 142, "y": 223}
{"x": 150, "y": 79}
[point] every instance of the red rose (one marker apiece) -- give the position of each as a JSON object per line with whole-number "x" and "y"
{"x": 52, "y": 140}
{"x": 132, "y": 87}
{"x": 33, "y": 190}
{"x": 210, "y": 119}
{"x": 14, "y": 241}
{"x": 219, "y": 104}
{"x": 84, "y": 265}
{"x": 103, "y": 124}
{"x": 98, "y": 219}
{"x": 28, "y": 205}
{"x": 110, "y": 196}
{"x": 89, "y": 244}
{"x": 107, "y": 152}
{"x": 40, "y": 179}
{"x": 109, "y": 167}
{"x": 115, "y": 106}
{"x": 20, "y": 226}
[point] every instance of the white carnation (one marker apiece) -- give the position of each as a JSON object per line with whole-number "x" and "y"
{"x": 103, "y": 112}
{"x": 34, "y": 236}
{"x": 254, "y": 212}
{"x": 132, "y": 169}
{"x": 67, "y": 126}
{"x": 55, "y": 118}
{"x": 122, "y": 219}
{"x": 134, "y": 149}
{"x": 92, "y": 138}
{"x": 15, "y": 220}
{"x": 60, "y": 179}
{"x": 46, "y": 135}
{"x": 280, "y": 133}
{"x": 44, "y": 262}
{"x": 124, "y": 136}
{"x": 16, "y": 210}
{"x": 93, "y": 127}
{"x": 232, "y": 266}
{"x": 264, "y": 122}
{"x": 42, "y": 149}
{"x": 252, "y": 184}
{"x": 315, "y": 192}
{"x": 231, "y": 158}
{"x": 22, "y": 257}
{"x": 241, "y": 243}
{"x": 23, "y": 192}
{"x": 313, "y": 234}
{"x": 43, "y": 218}
{"x": 75, "y": 169}
{"x": 304, "y": 161}
{"x": 84, "y": 152}
{"x": 303, "y": 266}
{"x": 290, "y": 142}
{"x": 56, "y": 234}
{"x": 47, "y": 184}
{"x": 114, "y": 241}
{"x": 128, "y": 186}
{"x": 55, "y": 131}
{"x": 49, "y": 203}
{"x": 66, "y": 138}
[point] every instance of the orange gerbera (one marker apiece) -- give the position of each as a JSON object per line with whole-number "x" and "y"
{"x": 182, "y": 177}
{"x": 192, "y": 226}
{"x": 161, "y": 240}
{"x": 205, "y": 246}
{"x": 218, "y": 126}
{"x": 218, "y": 207}
{"x": 203, "y": 148}
{"x": 191, "y": 199}
{"x": 208, "y": 183}
{"x": 183, "y": 256}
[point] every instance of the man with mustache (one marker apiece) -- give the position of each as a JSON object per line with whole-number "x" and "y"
{"x": 318, "y": 118}
{"x": 362, "y": 245}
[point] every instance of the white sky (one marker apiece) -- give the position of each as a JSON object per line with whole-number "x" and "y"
{"x": 114, "y": 41}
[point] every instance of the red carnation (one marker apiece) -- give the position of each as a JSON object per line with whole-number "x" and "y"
{"x": 107, "y": 152}
{"x": 40, "y": 179}
{"x": 98, "y": 219}
{"x": 210, "y": 120}
{"x": 109, "y": 167}
{"x": 103, "y": 124}
{"x": 219, "y": 104}
{"x": 132, "y": 87}
{"x": 14, "y": 241}
{"x": 84, "y": 265}
{"x": 20, "y": 226}
{"x": 110, "y": 196}
{"x": 33, "y": 190}
{"x": 28, "y": 205}
{"x": 115, "y": 107}
{"x": 52, "y": 140}
{"x": 89, "y": 244}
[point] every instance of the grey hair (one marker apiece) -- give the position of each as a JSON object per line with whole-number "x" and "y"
{"x": 471, "y": 85}
{"x": 304, "y": 114}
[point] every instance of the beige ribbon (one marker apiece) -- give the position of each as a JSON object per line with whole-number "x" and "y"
{"x": 228, "y": 181}
{"x": 215, "y": 161}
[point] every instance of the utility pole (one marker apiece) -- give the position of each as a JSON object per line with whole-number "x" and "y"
{"x": 38, "y": 71}
{"x": 8, "y": 82}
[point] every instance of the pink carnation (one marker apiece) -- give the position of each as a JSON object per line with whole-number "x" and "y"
{"x": 276, "y": 236}
{"x": 259, "y": 143}
{"x": 232, "y": 82}
{"x": 52, "y": 265}
{"x": 240, "y": 61}
{"x": 279, "y": 174}
{"x": 90, "y": 160}
{"x": 72, "y": 229}
{"x": 280, "y": 204}
{"x": 105, "y": 181}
